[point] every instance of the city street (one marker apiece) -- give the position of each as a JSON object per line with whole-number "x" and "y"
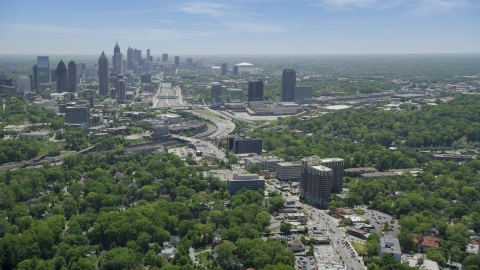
{"x": 337, "y": 236}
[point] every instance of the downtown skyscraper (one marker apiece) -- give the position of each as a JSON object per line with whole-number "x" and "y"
{"x": 255, "y": 91}
{"x": 43, "y": 70}
{"x": 62, "y": 77}
{"x": 117, "y": 59}
{"x": 223, "y": 69}
{"x": 103, "y": 74}
{"x": 120, "y": 88}
{"x": 133, "y": 56}
{"x": 72, "y": 76}
{"x": 289, "y": 82}
{"x": 116, "y": 50}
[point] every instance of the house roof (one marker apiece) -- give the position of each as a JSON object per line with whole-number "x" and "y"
{"x": 430, "y": 241}
{"x": 416, "y": 238}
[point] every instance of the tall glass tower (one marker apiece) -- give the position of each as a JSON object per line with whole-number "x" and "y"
{"x": 72, "y": 76}
{"x": 103, "y": 74}
{"x": 43, "y": 69}
{"x": 62, "y": 77}
{"x": 289, "y": 82}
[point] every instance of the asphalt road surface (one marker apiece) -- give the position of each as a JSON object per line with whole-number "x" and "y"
{"x": 337, "y": 236}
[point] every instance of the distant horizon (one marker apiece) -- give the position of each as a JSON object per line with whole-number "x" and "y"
{"x": 245, "y": 54}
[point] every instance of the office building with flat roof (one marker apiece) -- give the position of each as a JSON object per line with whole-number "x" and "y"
{"x": 265, "y": 163}
{"x": 315, "y": 181}
{"x": 224, "y": 69}
{"x": 24, "y": 84}
{"x": 120, "y": 88}
{"x": 286, "y": 171}
{"x": 390, "y": 244}
{"x": 118, "y": 67}
{"x": 303, "y": 94}
{"x": 177, "y": 61}
{"x": 89, "y": 95}
{"x": 165, "y": 57}
{"x": 244, "y": 145}
{"x": 255, "y": 91}
{"x": 133, "y": 56}
{"x": 35, "y": 78}
{"x": 219, "y": 95}
{"x": 289, "y": 82}
{"x": 78, "y": 114}
{"x": 249, "y": 181}
{"x": 236, "y": 95}
{"x": 43, "y": 70}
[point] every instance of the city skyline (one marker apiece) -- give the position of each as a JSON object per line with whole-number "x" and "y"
{"x": 273, "y": 27}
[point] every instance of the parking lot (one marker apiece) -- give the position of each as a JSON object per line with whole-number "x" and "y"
{"x": 377, "y": 219}
{"x": 182, "y": 152}
{"x": 304, "y": 262}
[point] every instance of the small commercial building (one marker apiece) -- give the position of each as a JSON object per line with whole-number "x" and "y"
{"x": 390, "y": 244}
{"x": 39, "y": 136}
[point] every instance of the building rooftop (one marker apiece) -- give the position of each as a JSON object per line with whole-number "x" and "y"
{"x": 265, "y": 159}
{"x": 287, "y": 164}
{"x": 337, "y": 107}
{"x": 390, "y": 244}
{"x": 472, "y": 249}
{"x": 245, "y": 177}
{"x": 430, "y": 241}
{"x": 378, "y": 174}
{"x": 321, "y": 168}
{"x": 244, "y": 64}
{"x": 360, "y": 169}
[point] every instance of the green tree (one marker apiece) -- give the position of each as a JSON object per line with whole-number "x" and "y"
{"x": 435, "y": 254}
{"x": 254, "y": 168}
{"x": 275, "y": 203}
{"x": 120, "y": 258}
{"x": 286, "y": 227}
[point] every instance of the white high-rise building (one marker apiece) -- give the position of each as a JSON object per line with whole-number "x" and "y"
{"x": 118, "y": 63}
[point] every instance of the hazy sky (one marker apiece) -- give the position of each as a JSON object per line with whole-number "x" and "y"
{"x": 241, "y": 26}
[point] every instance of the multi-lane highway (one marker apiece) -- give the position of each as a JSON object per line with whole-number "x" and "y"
{"x": 167, "y": 97}
{"x": 224, "y": 126}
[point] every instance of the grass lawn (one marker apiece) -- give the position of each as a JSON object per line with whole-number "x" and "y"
{"x": 359, "y": 247}
{"x": 200, "y": 249}
{"x": 206, "y": 112}
{"x": 45, "y": 146}
{"x": 202, "y": 258}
